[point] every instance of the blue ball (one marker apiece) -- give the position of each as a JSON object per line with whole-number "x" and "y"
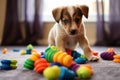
{"x": 66, "y": 74}
{"x": 5, "y": 67}
{"x": 80, "y": 60}
{"x": 8, "y": 62}
{"x": 28, "y": 51}
{"x": 75, "y": 54}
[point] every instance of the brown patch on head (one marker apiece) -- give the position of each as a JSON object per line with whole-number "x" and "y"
{"x": 71, "y": 17}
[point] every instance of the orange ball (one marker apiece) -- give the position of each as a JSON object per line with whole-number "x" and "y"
{"x": 4, "y": 50}
{"x": 116, "y": 56}
{"x": 110, "y": 50}
{"x": 116, "y": 60}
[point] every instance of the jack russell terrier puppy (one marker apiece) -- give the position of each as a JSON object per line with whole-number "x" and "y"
{"x": 69, "y": 29}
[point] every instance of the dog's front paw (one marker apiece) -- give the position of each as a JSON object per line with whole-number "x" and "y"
{"x": 93, "y": 58}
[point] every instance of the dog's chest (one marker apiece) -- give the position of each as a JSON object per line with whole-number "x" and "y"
{"x": 71, "y": 42}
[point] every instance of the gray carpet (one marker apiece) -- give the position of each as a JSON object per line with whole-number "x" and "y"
{"x": 103, "y": 70}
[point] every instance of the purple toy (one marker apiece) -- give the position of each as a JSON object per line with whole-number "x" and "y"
{"x": 107, "y": 55}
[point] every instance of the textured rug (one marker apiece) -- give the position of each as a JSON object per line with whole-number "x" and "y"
{"x": 103, "y": 70}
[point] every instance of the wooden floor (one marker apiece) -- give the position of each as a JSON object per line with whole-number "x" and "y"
{"x": 103, "y": 70}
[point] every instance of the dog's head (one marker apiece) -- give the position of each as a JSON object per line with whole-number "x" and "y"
{"x": 70, "y": 17}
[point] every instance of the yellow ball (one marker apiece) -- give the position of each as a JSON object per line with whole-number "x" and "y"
{"x": 49, "y": 74}
{"x": 56, "y": 70}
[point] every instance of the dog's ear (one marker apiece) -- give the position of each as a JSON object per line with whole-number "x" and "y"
{"x": 57, "y": 13}
{"x": 84, "y": 9}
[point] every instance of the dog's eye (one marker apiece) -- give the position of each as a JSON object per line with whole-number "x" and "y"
{"x": 77, "y": 20}
{"x": 65, "y": 21}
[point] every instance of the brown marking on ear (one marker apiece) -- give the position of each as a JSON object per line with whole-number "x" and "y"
{"x": 57, "y": 13}
{"x": 84, "y": 10}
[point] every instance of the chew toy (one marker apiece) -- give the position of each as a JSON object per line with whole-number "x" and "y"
{"x": 52, "y": 73}
{"x": 28, "y": 50}
{"x": 22, "y": 52}
{"x": 4, "y": 51}
{"x": 84, "y": 72}
{"x": 73, "y": 53}
{"x": 50, "y": 52}
{"x": 110, "y": 50}
{"x": 8, "y": 64}
{"x": 63, "y": 58}
{"x": 40, "y": 65}
{"x": 66, "y": 74}
{"x": 95, "y": 53}
{"x": 35, "y": 56}
{"x": 55, "y": 72}
{"x": 80, "y": 60}
{"x": 29, "y": 47}
{"x": 53, "y": 54}
{"x": 53, "y": 62}
{"x": 116, "y": 58}
{"x": 108, "y": 55}
{"x": 77, "y": 57}
{"x": 29, "y": 64}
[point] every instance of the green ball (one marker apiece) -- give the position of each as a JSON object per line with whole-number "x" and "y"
{"x": 30, "y": 47}
{"x": 83, "y": 56}
{"x": 29, "y": 64}
{"x": 83, "y": 72}
{"x": 49, "y": 74}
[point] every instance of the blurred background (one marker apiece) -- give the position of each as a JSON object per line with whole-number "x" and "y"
{"x": 28, "y": 21}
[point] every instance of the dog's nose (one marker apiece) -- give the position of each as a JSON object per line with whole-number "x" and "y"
{"x": 72, "y": 32}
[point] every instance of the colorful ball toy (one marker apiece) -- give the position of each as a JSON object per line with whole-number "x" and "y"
{"x": 35, "y": 56}
{"x": 53, "y": 54}
{"x": 116, "y": 58}
{"x": 56, "y": 64}
{"x": 52, "y": 73}
{"x": 61, "y": 73}
{"x": 40, "y": 65}
{"x": 29, "y": 63}
{"x": 63, "y": 58}
{"x": 50, "y": 52}
{"x": 84, "y": 72}
{"x": 23, "y": 52}
{"x": 108, "y": 55}
{"x": 8, "y": 64}
{"x": 4, "y": 51}
{"x": 29, "y": 47}
{"x": 66, "y": 74}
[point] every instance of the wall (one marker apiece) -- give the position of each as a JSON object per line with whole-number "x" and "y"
{"x": 2, "y": 16}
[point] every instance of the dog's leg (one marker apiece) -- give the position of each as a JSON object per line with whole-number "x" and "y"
{"x": 86, "y": 48}
{"x": 60, "y": 43}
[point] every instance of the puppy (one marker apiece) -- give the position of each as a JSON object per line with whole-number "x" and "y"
{"x": 69, "y": 29}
